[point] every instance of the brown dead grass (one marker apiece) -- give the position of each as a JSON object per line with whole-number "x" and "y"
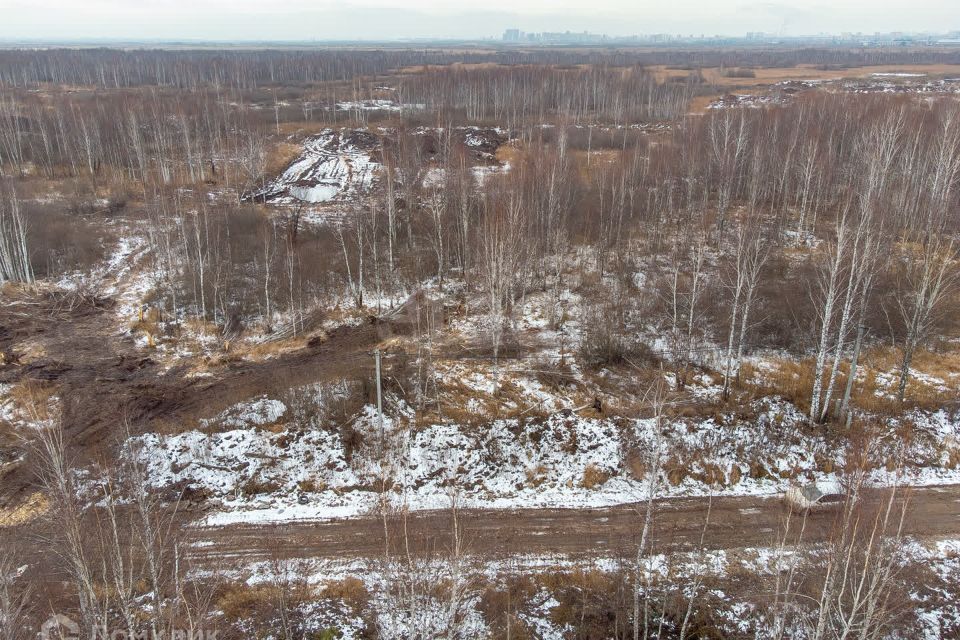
{"x": 676, "y": 471}
{"x": 793, "y": 380}
{"x": 508, "y": 153}
{"x": 940, "y": 364}
{"x": 26, "y": 512}
{"x": 148, "y": 323}
{"x": 764, "y": 77}
{"x": 34, "y": 399}
{"x": 790, "y": 379}
{"x": 636, "y": 465}
{"x": 459, "y": 403}
{"x": 270, "y": 349}
{"x": 699, "y": 104}
{"x": 593, "y": 477}
{"x": 255, "y": 486}
{"x": 281, "y": 155}
{"x": 242, "y": 601}
{"x": 588, "y": 600}
{"x": 465, "y": 405}
{"x": 351, "y": 591}
{"x": 596, "y": 159}
{"x": 772, "y": 75}
{"x": 536, "y": 475}
{"x": 294, "y": 128}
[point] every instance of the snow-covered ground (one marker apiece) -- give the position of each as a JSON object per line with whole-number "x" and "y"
{"x": 880, "y": 82}
{"x": 898, "y": 74}
{"x": 709, "y": 576}
{"x": 334, "y": 165}
{"x": 256, "y": 474}
{"x": 337, "y": 165}
{"x": 378, "y": 105}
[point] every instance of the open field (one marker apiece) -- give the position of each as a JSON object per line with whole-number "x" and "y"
{"x": 767, "y": 75}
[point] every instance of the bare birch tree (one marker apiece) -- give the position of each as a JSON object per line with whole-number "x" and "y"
{"x": 930, "y": 274}
{"x": 750, "y": 254}
{"x": 15, "y": 595}
{"x": 14, "y": 255}
{"x": 58, "y": 481}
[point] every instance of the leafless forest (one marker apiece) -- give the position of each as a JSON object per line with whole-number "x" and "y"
{"x": 427, "y": 343}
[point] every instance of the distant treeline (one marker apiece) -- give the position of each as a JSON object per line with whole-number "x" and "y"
{"x": 114, "y": 68}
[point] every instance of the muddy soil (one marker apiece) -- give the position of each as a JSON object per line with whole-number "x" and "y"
{"x": 108, "y": 387}
{"x": 734, "y": 522}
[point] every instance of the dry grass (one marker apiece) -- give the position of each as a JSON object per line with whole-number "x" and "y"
{"x": 311, "y": 485}
{"x": 466, "y": 405}
{"x": 10, "y": 290}
{"x": 593, "y": 477}
{"x": 34, "y": 399}
{"x": 458, "y": 403}
{"x": 508, "y": 153}
{"x": 596, "y": 160}
{"x": 943, "y": 364}
{"x": 636, "y": 466}
{"x": 201, "y": 327}
{"x": 148, "y": 323}
{"x": 264, "y": 350}
{"x": 536, "y": 475}
{"x": 772, "y": 75}
{"x": 27, "y": 511}
{"x": 457, "y": 411}
{"x": 282, "y": 154}
{"x": 699, "y": 104}
{"x": 789, "y": 379}
{"x": 676, "y": 471}
{"x": 243, "y": 601}
{"x": 351, "y": 591}
{"x": 591, "y": 601}
{"x": 288, "y": 129}
{"x": 793, "y": 380}
{"x": 253, "y": 487}
{"x": 764, "y": 77}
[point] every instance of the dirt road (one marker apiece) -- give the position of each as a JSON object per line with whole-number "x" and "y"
{"x": 735, "y": 522}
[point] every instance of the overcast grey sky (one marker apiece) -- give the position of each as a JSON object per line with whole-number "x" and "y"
{"x": 396, "y": 19}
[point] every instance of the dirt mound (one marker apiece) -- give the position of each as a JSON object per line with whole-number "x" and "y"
{"x": 484, "y": 142}
{"x": 333, "y": 165}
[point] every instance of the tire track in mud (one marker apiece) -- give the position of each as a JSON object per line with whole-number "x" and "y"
{"x": 735, "y": 522}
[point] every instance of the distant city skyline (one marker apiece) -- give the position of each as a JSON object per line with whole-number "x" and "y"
{"x": 514, "y": 35}
{"x": 246, "y": 20}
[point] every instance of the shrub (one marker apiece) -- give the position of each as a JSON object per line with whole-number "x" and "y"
{"x": 60, "y": 242}
{"x": 738, "y": 72}
{"x": 351, "y": 591}
{"x": 536, "y": 475}
{"x": 605, "y": 340}
{"x": 502, "y": 603}
{"x": 253, "y": 487}
{"x": 243, "y": 601}
{"x": 593, "y": 602}
{"x": 636, "y": 465}
{"x": 593, "y": 476}
{"x": 34, "y": 398}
